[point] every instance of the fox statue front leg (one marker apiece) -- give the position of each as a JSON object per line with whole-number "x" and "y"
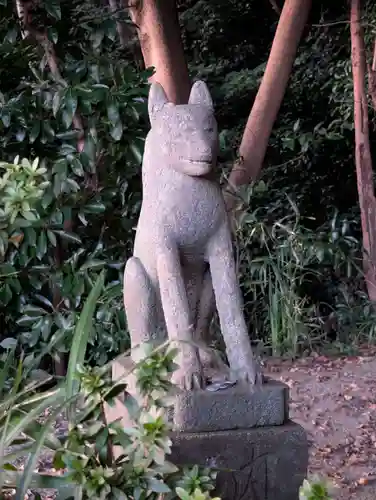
{"x": 178, "y": 318}
{"x": 139, "y": 302}
{"x": 213, "y": 365}
{"x": 243, "y": 364}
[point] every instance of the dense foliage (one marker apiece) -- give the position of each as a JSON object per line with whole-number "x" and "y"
{"x": 71, "y": 213}
{"x": 299, "y": 237}
{"x": 67, "y": 212}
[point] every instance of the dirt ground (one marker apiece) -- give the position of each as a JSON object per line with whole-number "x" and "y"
{"x": 334, "y": 399}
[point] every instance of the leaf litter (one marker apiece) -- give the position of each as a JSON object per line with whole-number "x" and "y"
{"x": 334, "y": 399}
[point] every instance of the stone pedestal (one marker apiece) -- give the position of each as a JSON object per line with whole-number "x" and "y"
{"x": 237, "y": 407}
{"x": 243, "y": 431}
{"x": 265, "y": 463}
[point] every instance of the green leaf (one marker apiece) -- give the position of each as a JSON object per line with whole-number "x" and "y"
{"x": 31, "y": 310}
{"x": 68, "y": 135}
{"x": 113, "y": 112}
{"x": 41, "y": 245}
{"x": 30, "y": 216}
{"x": 15, "y": 285}
{"x": 33, "y": 429}
{"x": 77, "y": 167}
{"x": 66, "y": 235}
{"x": 48, "y": 130}
{"x": 89, "y": 152}
{"x": 70, "y": 103}
{"x": 11, "y": 36}
{"x": 97, "y": 38}
{"x": 47, "y": 199}
{"x": 118, "y": 494}
{"x": 21, "y": 134}
{"x": 52, "y": 238}
{"x": 53, "y": 9}
{"x": 34, "y": 132}
{"x": 7, "y": 270}
{"x": 95, "y": 208}
{"x": 92, "y": 264}
{"x": 9, "y": 343}
{"x": 26, "y": 320}
{"x": 52, "y": 35}
{"x": 136, "y": 151}
{"x": 157, "y": 486}
{"x": 41, "y": 298}
{"x": 182, "y": 494}
{"x": 5, "y": 294}
{"x": 56, "y": 102}
{"x": 5, "y": 117}
{"x": 117, "y": 131}
{"x": 132, "y": 406}
{"x": 3, "y": 245}
{"x": 81, "y": 337}
{"x": 49, "y": 399}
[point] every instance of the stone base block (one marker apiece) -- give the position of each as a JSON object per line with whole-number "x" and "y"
{"x": 266, "y": 463}
{"x": 238, "y": 407}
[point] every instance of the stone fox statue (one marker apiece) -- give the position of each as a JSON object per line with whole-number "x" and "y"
{"x": 183, "y": 229}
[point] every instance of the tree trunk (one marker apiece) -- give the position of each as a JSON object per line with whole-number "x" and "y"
{"x": 159, "y": 34}
{"x": 270, "y": 94}
{"x": 363, "y": 160}
{"x": 372, "y": 78}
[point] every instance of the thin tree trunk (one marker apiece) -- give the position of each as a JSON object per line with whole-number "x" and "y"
{"x": 270, "y": 94}
{"x": 372, "y": 78}
{"x": 159, "y": 34}
{"x": 363, "y": 160}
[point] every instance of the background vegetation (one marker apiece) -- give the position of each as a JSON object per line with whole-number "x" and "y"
{"x": 72, "y": 126}
{"x": 299, "y": 238}
{"x": 68, "y": 215}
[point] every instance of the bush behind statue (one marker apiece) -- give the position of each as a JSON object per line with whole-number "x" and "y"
{"x": 77, "y": 215}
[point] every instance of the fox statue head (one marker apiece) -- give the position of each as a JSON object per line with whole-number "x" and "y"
{"x": 186, "y": 134}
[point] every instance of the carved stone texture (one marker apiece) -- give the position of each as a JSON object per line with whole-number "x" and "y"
{"x": 183, "y": 241}
{"x": 236, "y": 407}
{"x": 266, "y": 463}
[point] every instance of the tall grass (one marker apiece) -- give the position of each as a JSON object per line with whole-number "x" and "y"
{"x": 278, "y": 260}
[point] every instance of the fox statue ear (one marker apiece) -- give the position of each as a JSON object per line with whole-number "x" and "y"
{"x": 200, "y": 95}
{"x": 157, "y": 99}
